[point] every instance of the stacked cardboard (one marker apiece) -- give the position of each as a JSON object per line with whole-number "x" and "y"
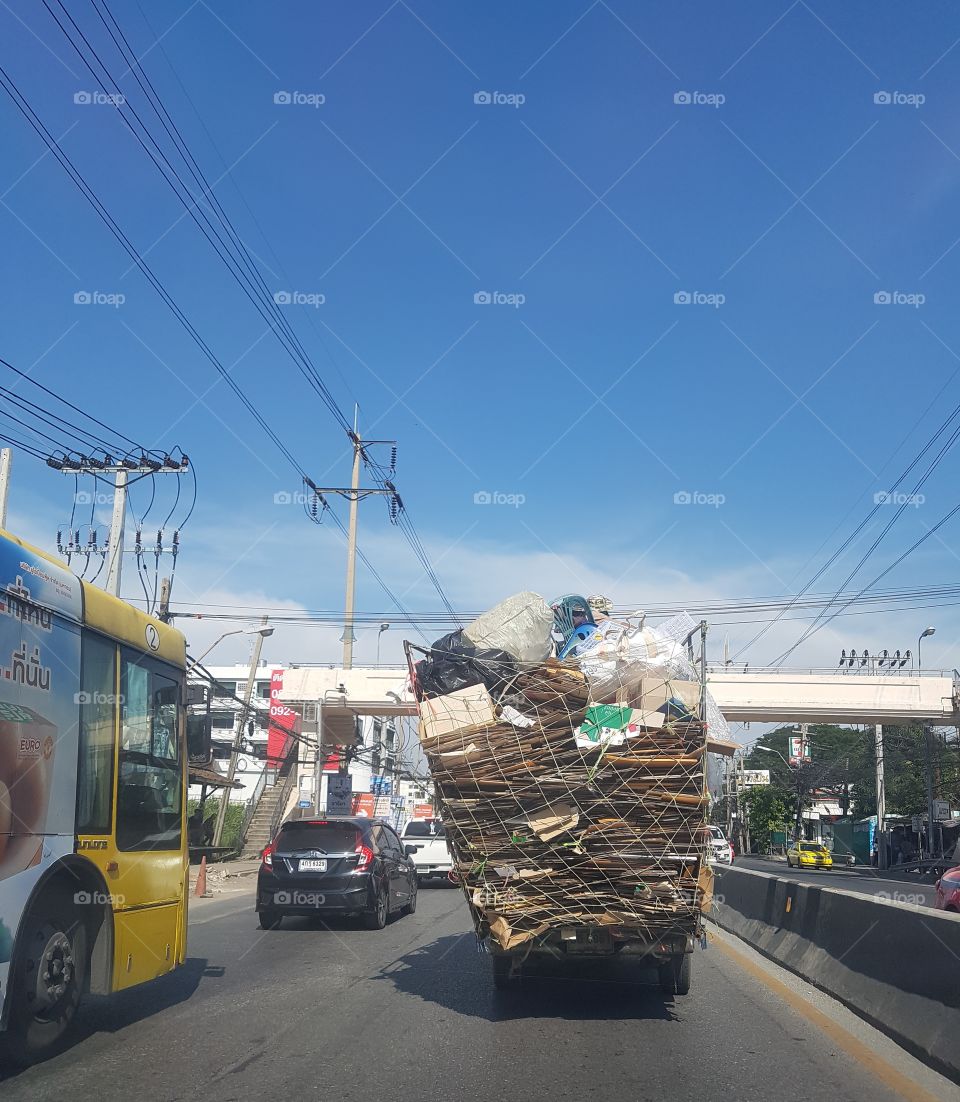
{"x": 561, "y": 813}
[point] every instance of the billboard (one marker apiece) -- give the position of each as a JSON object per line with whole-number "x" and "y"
{"x": 39, "y": 714}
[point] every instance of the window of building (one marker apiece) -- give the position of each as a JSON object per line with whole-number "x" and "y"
{"x": 263, "y": 690}
{"x": 222, "y": 720}
{"x": 150, "y": 782}
{"x": 225, "y": 688}
{"x": 98, "y": 709}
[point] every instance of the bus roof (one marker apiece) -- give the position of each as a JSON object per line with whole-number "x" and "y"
{"x": 52, "y": 585}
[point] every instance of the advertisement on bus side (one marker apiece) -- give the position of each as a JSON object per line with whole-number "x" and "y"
{"x": 39, "y": 712}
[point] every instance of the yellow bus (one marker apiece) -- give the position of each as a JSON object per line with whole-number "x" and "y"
{"x": 93, "y": 775}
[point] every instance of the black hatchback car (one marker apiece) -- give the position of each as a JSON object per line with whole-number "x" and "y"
{"x": 336, "y": 866}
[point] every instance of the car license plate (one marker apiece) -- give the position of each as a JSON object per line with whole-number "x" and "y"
{"x": 309, "y": 864}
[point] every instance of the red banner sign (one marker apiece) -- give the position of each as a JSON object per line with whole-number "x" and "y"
{"x": 284, "y": 723}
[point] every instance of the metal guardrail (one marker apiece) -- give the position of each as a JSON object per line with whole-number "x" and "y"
{"x": 253, "y": 803}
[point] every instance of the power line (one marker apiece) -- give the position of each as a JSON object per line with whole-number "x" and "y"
{"x": 242, "y": 266}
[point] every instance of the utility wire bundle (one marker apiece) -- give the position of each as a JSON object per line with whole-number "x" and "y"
{"x": 555, "y": 819}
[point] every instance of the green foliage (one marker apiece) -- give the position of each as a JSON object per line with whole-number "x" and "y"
{"x": 231, "y": 824}
{"x": 768, "y": 809}
{"x": 843, "y": 758}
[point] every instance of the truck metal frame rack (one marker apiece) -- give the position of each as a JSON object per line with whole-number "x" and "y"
{"x": 564, "y": 846}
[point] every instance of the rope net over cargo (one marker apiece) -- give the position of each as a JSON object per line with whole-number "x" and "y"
{"x": 574, "y": 796}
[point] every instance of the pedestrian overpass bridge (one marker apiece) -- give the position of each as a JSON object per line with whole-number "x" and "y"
{"x": 756, "y": 696}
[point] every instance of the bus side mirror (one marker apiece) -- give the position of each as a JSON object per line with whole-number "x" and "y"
{"x": 199, "y": 738}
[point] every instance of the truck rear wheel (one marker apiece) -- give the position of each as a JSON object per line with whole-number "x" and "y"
{"x": 504, "y": 978}
{"x": 675, "y": 975}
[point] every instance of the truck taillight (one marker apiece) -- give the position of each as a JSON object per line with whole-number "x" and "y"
{"x": 267, "y": 856}
{"x": 365, "y": 858}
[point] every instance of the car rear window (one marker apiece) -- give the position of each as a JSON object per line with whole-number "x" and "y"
{"x": 329, "y": 837}
{"x": 424, "y": 828}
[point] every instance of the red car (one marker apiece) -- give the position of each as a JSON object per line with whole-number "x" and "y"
{"x": 948, "y": 891}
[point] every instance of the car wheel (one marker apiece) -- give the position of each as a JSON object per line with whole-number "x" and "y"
{"x": 45, "y": 987}
{"x": 411, "y": 907}
{"x": 376, "y": 917}
{"x": 270, "y": 920}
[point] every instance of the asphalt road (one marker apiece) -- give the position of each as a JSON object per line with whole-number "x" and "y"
{"x": 407, "y": 1013}
{"x": 864, "y": 881}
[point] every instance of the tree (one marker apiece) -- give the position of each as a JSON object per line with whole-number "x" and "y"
{"x": 767, "y": 810}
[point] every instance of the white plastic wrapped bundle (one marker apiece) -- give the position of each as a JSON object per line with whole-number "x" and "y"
{"x": 621, "y": 651}
{"x": 520, "y": 625}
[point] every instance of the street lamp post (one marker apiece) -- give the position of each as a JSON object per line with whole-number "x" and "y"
{"x": 261, "y": 633}
{"x": 383, "y": 628}
{"x": 923, "y": 635}
{"x": 196, "y": 662}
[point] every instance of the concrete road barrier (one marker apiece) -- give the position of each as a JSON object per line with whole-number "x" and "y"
{"x": 894, "y": 964}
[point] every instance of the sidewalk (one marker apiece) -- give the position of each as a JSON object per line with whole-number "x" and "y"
{"x": 226, "y": 876}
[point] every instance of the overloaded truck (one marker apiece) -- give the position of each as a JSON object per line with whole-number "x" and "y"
{"x": 573, "y": 792}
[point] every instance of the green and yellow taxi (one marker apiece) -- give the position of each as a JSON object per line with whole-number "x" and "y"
{"x": 809, "y": 855}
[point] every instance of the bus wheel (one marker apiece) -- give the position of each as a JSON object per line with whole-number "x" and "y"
{"x": 46, "y": 985}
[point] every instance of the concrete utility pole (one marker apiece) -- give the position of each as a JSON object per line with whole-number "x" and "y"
{"x": 163, "y": 612}
{"x": 241, "y": 726}
{"x": 928, "y": 756}
{"x": 6, "y": 462}
{"x": 115, "y": 560}
{"x": 881, "y": 799}
{"x": 348, "y": 633}
{"x": 121, "y": 472}
{"x": 354, "y": 493}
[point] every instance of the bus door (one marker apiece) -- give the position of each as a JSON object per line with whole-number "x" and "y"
{"x": 146, "y": 858}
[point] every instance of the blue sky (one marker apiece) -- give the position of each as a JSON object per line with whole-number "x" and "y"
{"x": 782, "y": 199}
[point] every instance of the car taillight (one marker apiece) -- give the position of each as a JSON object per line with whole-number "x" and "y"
{"x": 365, "y": 858}
{"x": 267, "y": 856}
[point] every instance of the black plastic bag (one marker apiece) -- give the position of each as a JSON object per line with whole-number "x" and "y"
{"x": 453, "y": 663}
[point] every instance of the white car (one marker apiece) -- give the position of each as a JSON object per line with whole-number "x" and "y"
{"x": 721, "y": 849}
{"x": 426, "y": 842}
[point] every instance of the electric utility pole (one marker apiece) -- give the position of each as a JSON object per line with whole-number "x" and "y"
{"x": 881, "y": 799}
{"x": 6, "y": 462}
{"x": 355, "y": 493}
{"x": 143, "y": 466}
{"x": 241, "y": 727}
